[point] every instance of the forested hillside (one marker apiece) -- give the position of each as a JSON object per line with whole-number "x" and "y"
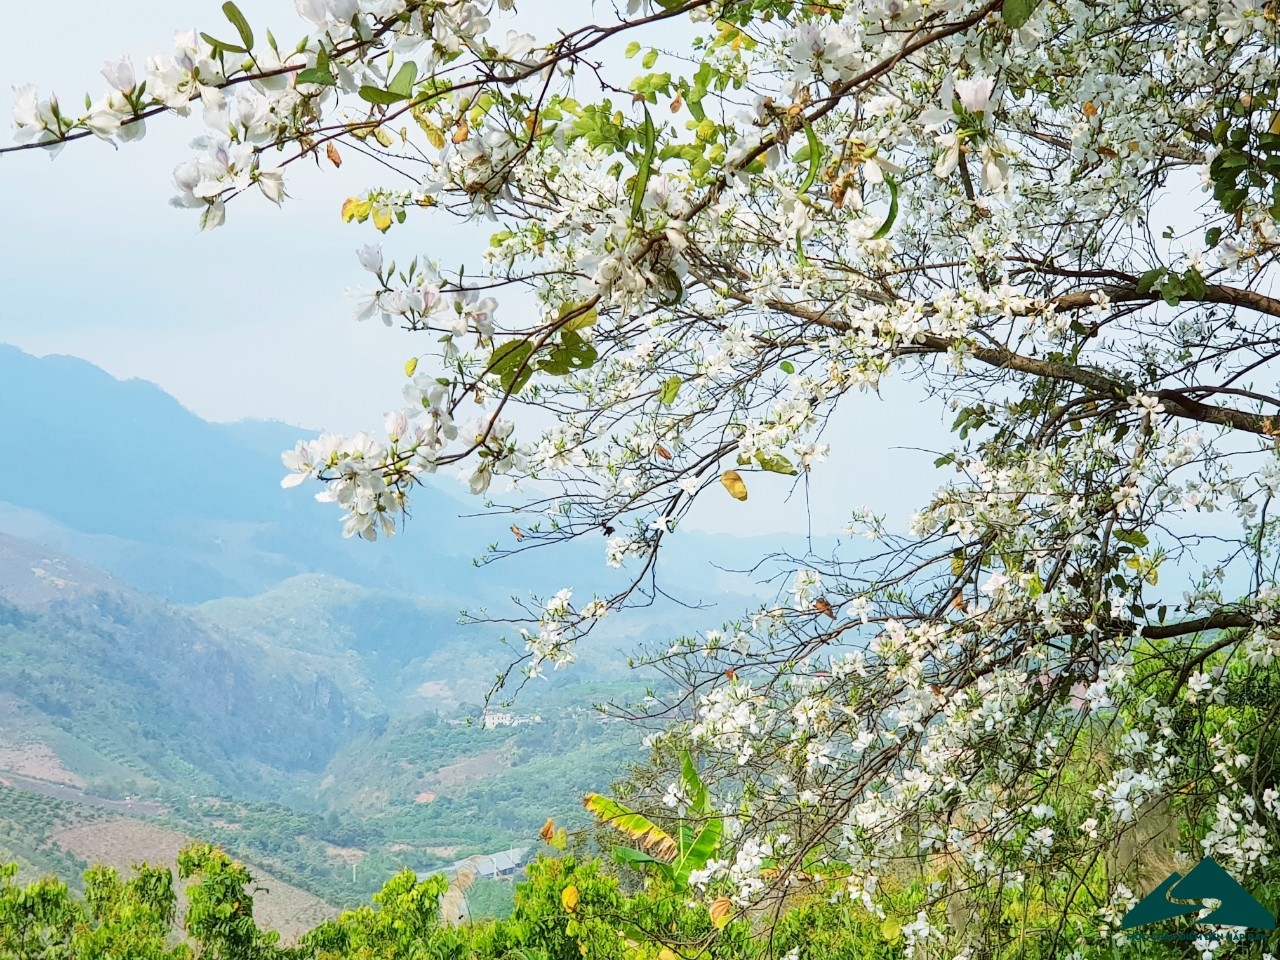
{"x": 304, "y": 729}
{"x": 195, "y": 675}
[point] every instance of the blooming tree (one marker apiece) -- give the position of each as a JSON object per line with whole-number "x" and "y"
{"x": 1058, "y": 218}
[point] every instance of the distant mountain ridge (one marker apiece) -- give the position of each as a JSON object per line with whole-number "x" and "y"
{"x": 128, "y": 479}
{"x": 135, "y": 484}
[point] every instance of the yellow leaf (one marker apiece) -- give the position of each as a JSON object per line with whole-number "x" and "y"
{"x": 461, "y": 134}
{"x": 561, "y": 840}
{"x": 652, "y": 837}
{"x": 549, "y": 828}
{"x": 569, "y": 898}
{"x": 891, "y": 929}
{"x": 1090, "y": 109}
{"x": 332, "y": 153}
{"x": 584, "y": 316}
{"x": 435, "y": 136}
{"x": 383, "y": 137}
{"x": 666, "y": 953}
{"x": 732, "y": 481}
{"x": 410, "y": 365}
{"x": 353, "y": 208}
{"x": 721, "y": 911}
{"x": 382, "y": 219}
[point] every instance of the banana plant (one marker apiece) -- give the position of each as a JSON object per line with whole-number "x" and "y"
{"x": 674, "y": 855}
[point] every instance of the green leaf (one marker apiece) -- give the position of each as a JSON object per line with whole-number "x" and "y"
{"x": 650, "y": 59}
{"x": 670, "y": 388}
{"x": 696, "y": 844}
{"x": 511, "y": 364}
{"x": 584, "y": 319}
{"x": 1135, "y": 537}
{"x": 632, "y": 48}
{"x": 572, "y": 353}
{"x": 632, "y": 855}
{"x": 697, "y": 848}
{"x": 220, "y": 46}
{"x": 1193, "y": 283}
{"x": 699, "y": 797}
{"x": 240, "y": 23}
{"x": 315, "y": 75}
{"x": 1148, "y": 281}
{"x": 893, "y": 211}
{"x": 402, "y": 82}
{"x": 1016, "y": 13}
{"x": 945, "y": 459}
{"x": 778, "y": 464}
{"x": 787, "y": 366}
{"x": 646, "y": 163}
{"x": 384, "y": 97}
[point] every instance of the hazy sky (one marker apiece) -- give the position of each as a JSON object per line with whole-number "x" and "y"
{"x": 251, "y": 320}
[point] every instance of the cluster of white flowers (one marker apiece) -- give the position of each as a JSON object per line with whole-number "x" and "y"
{"x": 551, "y": 644}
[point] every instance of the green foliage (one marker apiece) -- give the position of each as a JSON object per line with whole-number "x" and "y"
{"x": 1016, "y": 13}
{"x": 1248, "y": 161}
{"x": 1171, "y": 285}
{"x": 38, "y": 920}
{"x": 130, "y": 918}
{"x": 401, "y": 923}
{"x": 134, "y": 918}
{"x": 220, "y": 906}
{"x": 566, "y": 909}
{"x": 491, "y": 898}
